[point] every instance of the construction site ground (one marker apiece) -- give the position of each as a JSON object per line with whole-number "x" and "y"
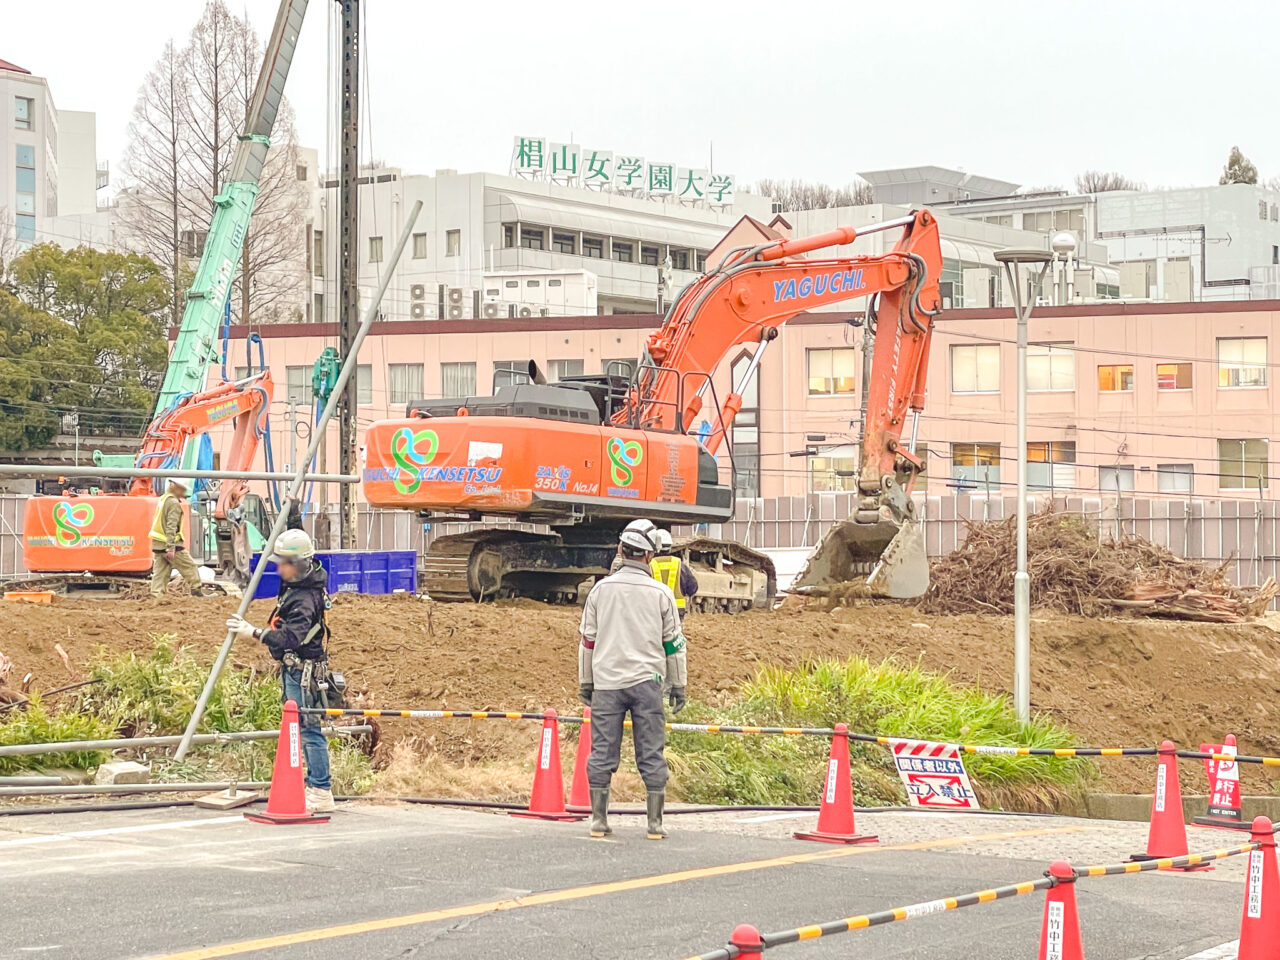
{"x": 1115, "y": 682}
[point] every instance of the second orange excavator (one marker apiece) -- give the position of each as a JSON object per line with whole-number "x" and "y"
{"x": 587, "y": 454}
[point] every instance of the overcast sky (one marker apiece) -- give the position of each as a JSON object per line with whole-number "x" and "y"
{"x": 1031, "y": 92}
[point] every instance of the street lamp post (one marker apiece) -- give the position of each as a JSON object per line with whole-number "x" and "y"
{"x": 1023, "y": 303}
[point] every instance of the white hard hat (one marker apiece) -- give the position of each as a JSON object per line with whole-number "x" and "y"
{"x": 182, "y": 482}
{"x": 293, "y": 545}
{"x": 636, "y": 541}
{"x": 642, "y": 526}
{"x": 662, "y": 540}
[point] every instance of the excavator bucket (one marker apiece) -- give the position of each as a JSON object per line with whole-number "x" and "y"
{"x": 891, "y": 558}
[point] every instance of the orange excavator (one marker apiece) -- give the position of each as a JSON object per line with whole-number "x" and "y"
{"x": 104, "y": 537}
{"x": 587, "y": 454}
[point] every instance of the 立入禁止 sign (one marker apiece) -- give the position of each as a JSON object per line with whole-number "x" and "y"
{"x": 934, "y": 775}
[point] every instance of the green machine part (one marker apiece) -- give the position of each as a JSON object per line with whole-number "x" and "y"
{"x": 324, "y": 373}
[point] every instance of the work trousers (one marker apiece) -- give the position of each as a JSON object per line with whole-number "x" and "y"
{"x": 314, "y": 746}
{"x": 609, "y": 709}
{"x": 162, "y": 567}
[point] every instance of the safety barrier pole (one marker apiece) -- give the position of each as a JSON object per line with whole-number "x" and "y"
{"x": 318, "y": 433}
{"x": 78, "y": 746}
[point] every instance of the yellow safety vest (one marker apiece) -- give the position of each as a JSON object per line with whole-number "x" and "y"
{"x": 667, "y": 570}
{"x": 157, "y": 523}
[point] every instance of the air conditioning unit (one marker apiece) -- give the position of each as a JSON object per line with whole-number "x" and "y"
{"x": 417, "y": 291}
{"x": 418, "y": 311}
{"x": 526, "y": 311}
{"x": 457, "y": 311}
{"x": 492, "y": 311}
{"x": 457, "y": 296}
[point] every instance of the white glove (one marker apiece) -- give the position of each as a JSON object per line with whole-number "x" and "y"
{"x": 242, "y": 628}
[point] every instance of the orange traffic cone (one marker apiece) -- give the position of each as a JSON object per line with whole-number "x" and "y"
{"x": 287, "y": 801}
{"x": 1260, "y": 918}
{"x": 1060, "y": 929}
{"x": 546, "y": 799}
{"x": 835, "y": 815}
{"x": 579, "y": 788}
{"x": 1167, "y": 836}
{"x": 1224, "y": 789}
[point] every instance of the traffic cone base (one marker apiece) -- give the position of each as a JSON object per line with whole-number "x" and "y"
{"x": 287, "y": 801}
{"x": 546, "y": 799}
{"x": 835, "y": 815}
{"x": 1167, "y": 835}
{"x": 579, "y": 788}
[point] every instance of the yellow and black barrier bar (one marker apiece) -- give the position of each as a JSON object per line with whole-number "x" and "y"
{"x": 428, "y": 714}
{"x": 1165, "y": 863}
{"x": 1243, "y": 758}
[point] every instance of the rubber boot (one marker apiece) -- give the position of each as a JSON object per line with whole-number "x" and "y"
{"x": 600, "y": 812}
{"x": 656, "y": 801}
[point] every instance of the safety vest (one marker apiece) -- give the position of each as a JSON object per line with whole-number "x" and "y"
{"x": 667, "y": 570}
{"x": 157, "y": 523}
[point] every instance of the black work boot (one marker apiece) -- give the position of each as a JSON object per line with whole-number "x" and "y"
{"x": 655, "y": 801}
{"x": 600, "y": 812}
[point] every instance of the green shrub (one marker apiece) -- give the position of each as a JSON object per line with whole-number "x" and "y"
{"x": 35, "y": 724}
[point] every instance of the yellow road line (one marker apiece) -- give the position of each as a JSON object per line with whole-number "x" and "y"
{"x": 581, "y": 893}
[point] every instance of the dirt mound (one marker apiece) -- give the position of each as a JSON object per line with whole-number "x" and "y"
{"x": 1074, "y": 570}
{"x": 1117, "y": 682}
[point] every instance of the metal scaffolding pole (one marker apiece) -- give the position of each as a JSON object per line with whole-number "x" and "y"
{"x": 346, "y": 374}
{"x": 118, "y": 743}
{"x": 349, "y": 261}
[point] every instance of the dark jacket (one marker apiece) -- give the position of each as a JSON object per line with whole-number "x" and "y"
{"x": 688, "y": 581}
{"x": 297, "y": 623}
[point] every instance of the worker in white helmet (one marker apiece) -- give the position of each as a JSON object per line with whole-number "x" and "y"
{"x": 673, "y": 571}
{"x": 631, "y": 649}
{"x": 295, "y": 637}
{"x": 169, "y": 542}
{"x": 642, "y": 526}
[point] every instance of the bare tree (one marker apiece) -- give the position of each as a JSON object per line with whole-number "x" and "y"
{"x": 151, "y": 203}
{"x": 1101, "y": 181}
{"x": 8, "y": 248}
{"x": 805, "y": 195}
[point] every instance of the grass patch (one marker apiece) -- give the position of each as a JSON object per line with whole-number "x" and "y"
{"x": 36, "y": 724}
{"x": 888, "y": 699}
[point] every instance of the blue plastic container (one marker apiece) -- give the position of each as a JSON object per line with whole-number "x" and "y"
{"x": 355, "y": 571}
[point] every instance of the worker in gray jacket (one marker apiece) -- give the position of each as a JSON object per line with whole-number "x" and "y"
{"x": 632, "y": 650}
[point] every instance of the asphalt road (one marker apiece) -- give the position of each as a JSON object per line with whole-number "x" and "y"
{"x": 440, "y": 884}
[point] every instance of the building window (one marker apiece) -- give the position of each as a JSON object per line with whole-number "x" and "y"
{"x": 1173, "y": 376}
{"x": 1262, "y": 209}
{"x": 593, "y": 247}
{"x": 533, "y": 238}
{"x": 833, "y": 474}
{"x": 624, "y": 252}
{"x": 317, "y": 253}
{"x": 1001, "y": 219}
{"x": 533, "y": 283}
{"x": 375, "y": 249}
{"x": 453, "y": 243}
{"x": 746, "y": 431}
{"x": 564, "y": 243}
{"x": 1242, "y": 362}
{"x": 1242, "y": 464}
{"x": 976, "y": 466}
{"x": 300, "y": 171}
{"x": 24, "y": 227}
{"x": 458, "y": 379}
{"x": 680, "y": 259}
{"x": 298, "y": 380}
{"x": 1051, "y": 465}
{"x": 618, "y": 368}
{"x": 1174, "y": 477}
{"x": 25, "y": 192}
{"x": 404, "y": 383}
{"x": 559, "y": 369}
{"x": 317, "y": 307}
{"x": 1115, "y": 479}
{"x": 1116, "y": 378}
{"x": 1051, "y": 366}
{"x": 831, "y": 371}
{"x": 419, "y": 246}
{"x": 700, "y": 262}
{"x": 26, "y": 156}
{"x": 509, "y": 372}
{"x": 364, "y": 384}
{"x": 24, "y": 109}
{"x": 975, "y": 368}
{"x": 508, "y": 235}
{"x": 648, "y": 255}
{"x": 1275, "y": 254}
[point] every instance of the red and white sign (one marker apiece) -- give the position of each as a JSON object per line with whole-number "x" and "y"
{"x": 1224, "y": 781}
{"x": 934, "y": 775}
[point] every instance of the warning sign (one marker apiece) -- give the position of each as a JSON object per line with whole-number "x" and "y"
{"x": 934, "y": 775}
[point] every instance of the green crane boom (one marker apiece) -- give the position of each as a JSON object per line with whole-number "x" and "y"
{"x": 196, "y": 344}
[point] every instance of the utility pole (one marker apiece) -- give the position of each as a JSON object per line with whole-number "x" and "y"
{"x": 349, "y": 263}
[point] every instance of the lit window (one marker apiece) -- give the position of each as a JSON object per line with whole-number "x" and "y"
{"x": 1173, "y": 376}
{"x": 976, "y": 466}
{"x": 1051, "y": 465}
{"x": 24, "y": 113}
{"x": 1116, "y": 378}
{"x": 419, "y": 246}
{"x": 1175, "y": 477}
{"x": 375, "y": 249}
{"x": 1051, "y": 366}
{"x": 452, "y": 243}
{"x": 975, "y": 368}
{"x": 1242, "y": 464}
{"x": 829, "y": 474}
{"x": 404, "y": 383}
{"x": 458, "y": 379}
{"x": 1242, "y": 362}
{"x": 831, "y": 371}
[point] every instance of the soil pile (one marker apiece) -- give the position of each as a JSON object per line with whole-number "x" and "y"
{"x": 1116, "y": 682}
{"x": 1073, "y": 570}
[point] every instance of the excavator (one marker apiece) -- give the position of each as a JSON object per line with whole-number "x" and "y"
{"x": 584, "y": 456}
{"x": 103, "y": 537}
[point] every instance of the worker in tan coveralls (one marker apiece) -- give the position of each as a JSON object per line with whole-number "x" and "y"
{"x": 168, "y": 544}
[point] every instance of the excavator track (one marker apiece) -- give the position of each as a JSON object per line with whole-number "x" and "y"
{"x": 101, "y": 585}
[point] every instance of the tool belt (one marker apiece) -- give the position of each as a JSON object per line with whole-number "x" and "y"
{"x": 321, "y": 686}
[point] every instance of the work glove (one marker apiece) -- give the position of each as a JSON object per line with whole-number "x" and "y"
{"x": 242, "y": 628}
{"x": 676, "y": 697}
{"x": 585, "y": 691}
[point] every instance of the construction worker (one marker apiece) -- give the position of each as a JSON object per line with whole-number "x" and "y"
{"x": 295, "y": 638}
{"x": 168, "y": 543}
{"x": 645, "y": 527}
{"x": 631, "y": 647}
{"x": 673, "y": 571}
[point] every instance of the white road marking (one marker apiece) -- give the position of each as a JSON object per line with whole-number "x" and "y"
{"x": 116, "y": 831}
{"x": 1226, "y": 951}
{"x": 776, "y": 816}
